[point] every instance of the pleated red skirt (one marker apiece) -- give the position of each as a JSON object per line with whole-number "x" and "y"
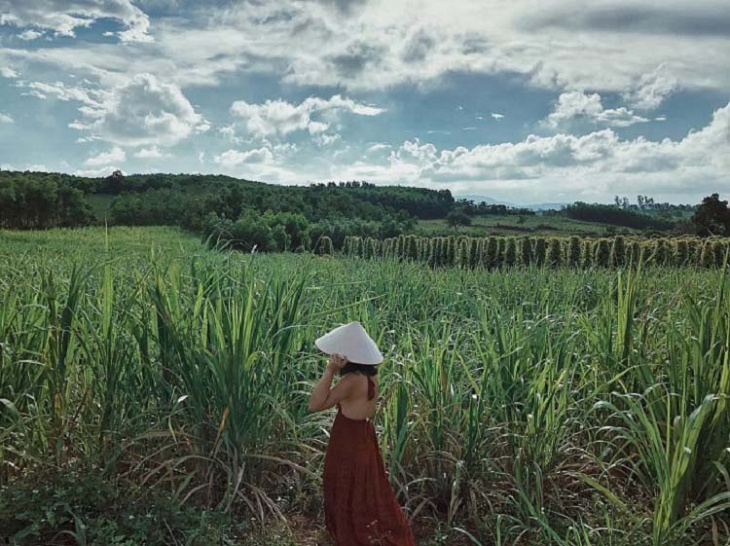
{"x": 359, "y": 503}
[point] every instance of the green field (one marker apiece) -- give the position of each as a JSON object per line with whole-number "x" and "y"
{"x": 150, "y": 387}
{"x": 550, "y": 225}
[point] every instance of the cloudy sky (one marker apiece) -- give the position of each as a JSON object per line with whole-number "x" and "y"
{"x": 525, "y": 101}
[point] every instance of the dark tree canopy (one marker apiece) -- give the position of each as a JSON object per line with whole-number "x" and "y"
{"x": 616, "y": 216}
{"x": 712, "y": 217}
{"x": 31, "y": 200}
{"x": 458, "y": 217}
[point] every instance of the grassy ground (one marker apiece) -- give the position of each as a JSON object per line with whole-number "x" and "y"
{"x": 147, "y": 375}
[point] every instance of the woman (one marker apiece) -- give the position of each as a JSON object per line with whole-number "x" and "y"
{"x": 359, "y": 504}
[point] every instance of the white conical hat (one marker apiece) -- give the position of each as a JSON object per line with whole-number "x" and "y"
{"x": 351, "y": 341}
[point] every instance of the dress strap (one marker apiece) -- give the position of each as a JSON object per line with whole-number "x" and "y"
{"x": 371, "y": 388}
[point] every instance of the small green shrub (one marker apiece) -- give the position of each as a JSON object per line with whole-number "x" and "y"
{"x": 587, "y": 254}
{"x": 555, "y": 254}
{"x": 708, "y": 255}
{"x": 681, "y": 253}
{"x": 574, "y": 252}
{"x": 603, "y": 253}
{"x": 540, "y": 251}
{"x": 525, "y": 251}
{"x": 324, "y": 246}
{"x": 492, "y": 252}
{"x": 80, "y": 506}
{"x": 618, "y": 252}
{"x": 510, "y": 253}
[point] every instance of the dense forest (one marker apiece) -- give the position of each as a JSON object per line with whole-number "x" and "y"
{"x": 40, "y": 200}
{"x": 250, "y": 214}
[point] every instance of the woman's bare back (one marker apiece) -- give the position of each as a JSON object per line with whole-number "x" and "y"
{"x": 357, "y": 406}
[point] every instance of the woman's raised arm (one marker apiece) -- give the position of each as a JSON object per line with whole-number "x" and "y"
{"x": 323, "y": 397}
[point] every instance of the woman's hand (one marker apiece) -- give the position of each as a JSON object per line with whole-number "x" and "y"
{"x": 336, "y": 362}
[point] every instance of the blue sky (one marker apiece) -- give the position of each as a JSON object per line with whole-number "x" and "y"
{"x": 520, "y": 101}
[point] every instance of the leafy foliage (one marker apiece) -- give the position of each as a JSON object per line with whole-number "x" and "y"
{"x": 82, "y": 506}
{"x": 41, "y": 200}
{"x": 458, "y": 218}
{"x": 608, "y": 214}
{"x": 712, "y": 217}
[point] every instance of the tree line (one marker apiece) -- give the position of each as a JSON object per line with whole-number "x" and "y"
{"x": 214, "y": 204}
{"x": 30, "y": 200}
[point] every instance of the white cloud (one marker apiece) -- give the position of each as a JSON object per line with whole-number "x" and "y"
{"x": 61, "y": 91}
{"x": 576, "y": 106}
{"x": 279, "y": 117}
{"x": 27, "y": 167}
{"x": 113, "y": 156}
{"x": 97, "y": 173}
{"x": 233, "y": 158}
{"x": 652, "y": 88}
{"x": 7, "y": 72}
{"x": 64, "y": 16}
{"x": 378, "y": 146}
{"x": 497, "y": 116}
{"x": 317, "y": 127}
{"x": 30, "y": 35}
{"x": 152, "y": 152}
{"x": 228, "y": 131}
{"x": 141, "y": 112}
{"x": 325, "y": 139}
{"x": 262, "y": 163}
{"x": 6, "y": 118}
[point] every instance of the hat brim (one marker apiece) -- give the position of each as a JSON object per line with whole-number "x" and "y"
{"x": 367, "y": 357}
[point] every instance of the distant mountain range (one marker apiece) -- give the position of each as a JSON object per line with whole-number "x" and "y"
{"x": 536, "y": 206}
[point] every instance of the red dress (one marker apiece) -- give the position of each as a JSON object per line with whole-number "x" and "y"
{"x": 359, "y": 504}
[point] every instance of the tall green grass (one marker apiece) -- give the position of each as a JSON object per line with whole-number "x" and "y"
{"x": 532, "y": 406}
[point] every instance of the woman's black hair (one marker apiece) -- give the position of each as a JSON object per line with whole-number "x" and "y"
{"x": 365, "y": 369}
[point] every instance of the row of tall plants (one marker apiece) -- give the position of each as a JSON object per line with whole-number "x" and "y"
{"x": 575, "y": 252}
